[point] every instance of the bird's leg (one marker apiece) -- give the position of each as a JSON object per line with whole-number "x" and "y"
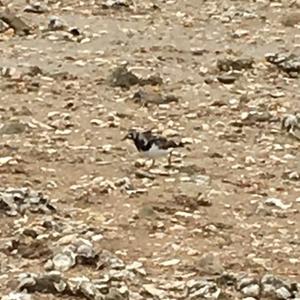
{"x": 170, "y": 159}
{"x": 152, "y": 164}
{"x": 293, "y": 134}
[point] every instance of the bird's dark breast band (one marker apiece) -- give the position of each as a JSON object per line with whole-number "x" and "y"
{"x": 142, "y": 146}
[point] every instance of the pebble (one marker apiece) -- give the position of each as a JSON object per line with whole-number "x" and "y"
{"x": 277, "y": 203}
{"x": 227, "y": 79}
{"x": 171, "y": 262}
{"x": 240, "y": 33}
{"x": 283, "y": 293}
{"x": 101, "y": 208}
{"x": 183, "y": 214}
{"x": 5, "y": 160}
{"x": 64, "y": 261}
{"x": 210, "y": 264}
{"x": 17, "y": 296}
{"x": 291, "y": 19}
{"x": 13, "y": 127}
{"x": 153, "y": 291}
{"x": 252, "y": 290}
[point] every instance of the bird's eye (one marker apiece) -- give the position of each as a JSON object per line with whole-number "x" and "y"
{"x": 130, "y": 135}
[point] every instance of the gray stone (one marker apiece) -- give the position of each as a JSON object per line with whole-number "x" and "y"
{"x": 198, "y": 289}
{"x": 150, "y": 289}
{"x": 56, "y": 23}
{"x": 277, "y": 203}
{"x": 246, "y": 281}
{"x": 147, "y": 211}
{"x": 291, "y": 19}
{"x": 235, "y": 64}
{"x": 114, "y": 294}
{"x": 210, "y": 264}
{"x": 283, "y": 293}
{"x": 19, "y": 200}
{"x": 270, "y": 284}
{"x": 289, "y": 63}
{"x": 115, "y": 4}
{"x": 13, "y": 127}
{"x": 64, "y": 261}
{"x": 60, "y": 286}
{"x": 36, "y": 7}
{"x": 227, "y": 79}
{"x": 252, "y": 290}
{"x": 121, "y": 77}
{"x": 17, "y": 296}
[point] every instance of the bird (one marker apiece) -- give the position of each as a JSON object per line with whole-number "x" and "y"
{"x": 152, "y": 146}
{"x": 290, "y": 122}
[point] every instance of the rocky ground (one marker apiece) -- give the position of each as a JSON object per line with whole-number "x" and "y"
{"x": 81, "y": 214}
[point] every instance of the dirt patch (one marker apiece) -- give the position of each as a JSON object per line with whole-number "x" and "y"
{"x": 63, "y": 118}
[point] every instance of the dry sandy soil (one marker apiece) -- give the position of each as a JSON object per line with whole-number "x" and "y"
{"x": 214, "y": 199}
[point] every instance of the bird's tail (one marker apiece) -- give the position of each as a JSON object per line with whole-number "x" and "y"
{"x": 173, "y": 144}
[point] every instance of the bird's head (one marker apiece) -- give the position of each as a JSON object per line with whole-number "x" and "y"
{"x": 131, "y": 135}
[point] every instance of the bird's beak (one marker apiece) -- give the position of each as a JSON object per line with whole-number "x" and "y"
{"x": 125, "y": 137}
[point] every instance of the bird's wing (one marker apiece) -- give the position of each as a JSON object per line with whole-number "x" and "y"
{"x": 147, "y": 133}
{"x": 163, "y": 143}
